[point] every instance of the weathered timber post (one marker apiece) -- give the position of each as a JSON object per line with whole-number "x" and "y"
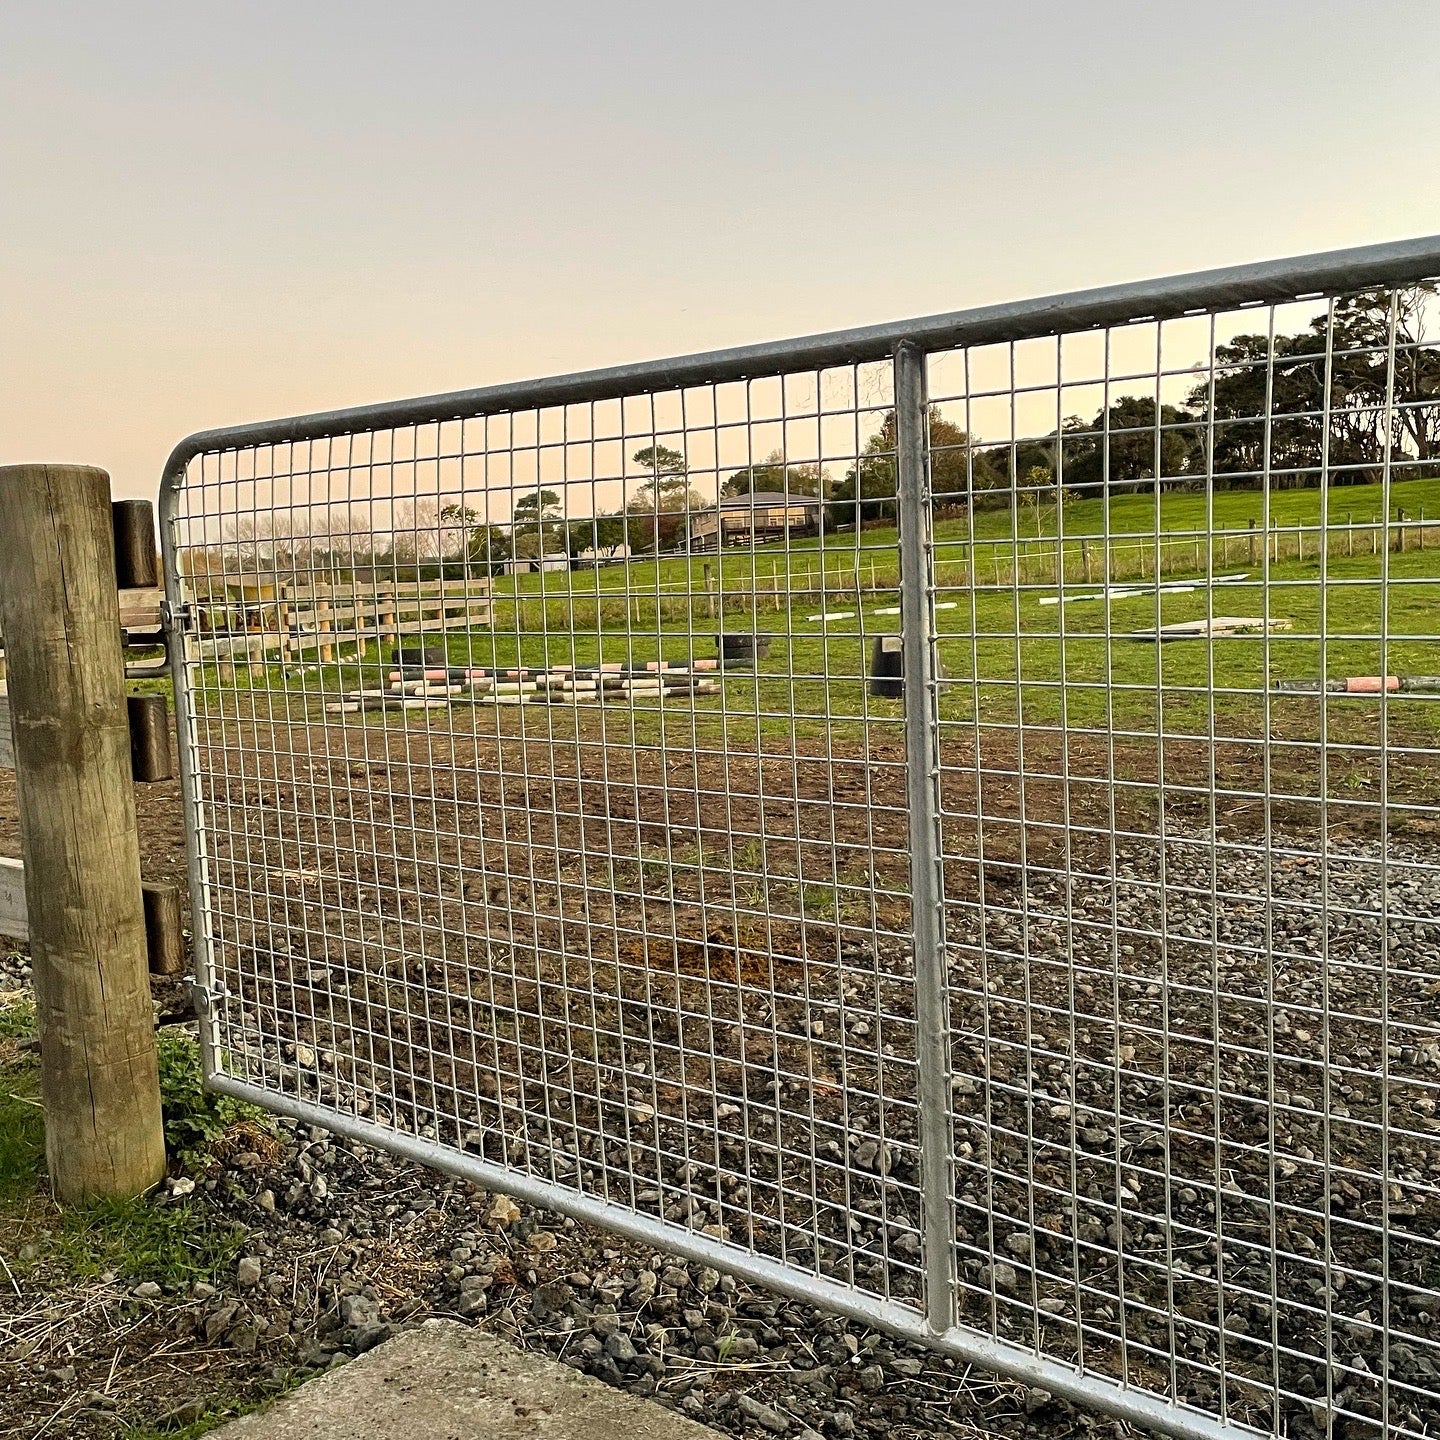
{"x": 132, "y": 522}
{"x": 327, "y": 650}
{"x": 61, "y": 622}
{"x": 164, "y": 927}
{"x": 149, "y": 719}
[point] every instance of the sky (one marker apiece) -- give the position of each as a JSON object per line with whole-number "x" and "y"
{"x": 219, "y": 212}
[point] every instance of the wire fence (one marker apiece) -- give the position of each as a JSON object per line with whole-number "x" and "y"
{"x": 1038, "y": 960}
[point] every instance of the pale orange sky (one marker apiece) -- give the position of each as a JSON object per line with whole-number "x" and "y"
{"x": 224, "y": 212}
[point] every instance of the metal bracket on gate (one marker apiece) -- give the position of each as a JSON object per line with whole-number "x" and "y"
{"x": 172, "y": 615}
{"x": 207, "y": 999}
{"x": 159, "y": 637}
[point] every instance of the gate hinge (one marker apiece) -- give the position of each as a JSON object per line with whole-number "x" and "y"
{"x": 172, "y": 615}
{"x": 207, "y": 999}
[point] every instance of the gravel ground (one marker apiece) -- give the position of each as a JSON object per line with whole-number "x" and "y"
{"x": 344, "y": 1245}
{"x": 1232, "y": 1148}
{"x": 1194, "y": 1132}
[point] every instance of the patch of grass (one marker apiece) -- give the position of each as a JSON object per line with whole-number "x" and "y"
{"x": 17, "y": 1018}
{"x": 22, "y": 1122}
{"x": 216, "y": 1413}
{"x": 140, "y": 1239}
{"x": 820, "y": 902}
{"x": 22, "y": 1136}
{"x": 1007, "y": 658}
{"x": 195, "y": 1119}
{"x": 147, "y": 1238}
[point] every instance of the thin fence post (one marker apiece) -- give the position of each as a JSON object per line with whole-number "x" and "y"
{"x": 927, "y": 902}
{"x": 61, "y": 619}
{"x": 326, "y": 653}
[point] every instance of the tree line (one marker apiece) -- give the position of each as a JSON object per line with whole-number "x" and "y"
{"x": 1268, "y": 407}
{"x": 1275, "y": 409}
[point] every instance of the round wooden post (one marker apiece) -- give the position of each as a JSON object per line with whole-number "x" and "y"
{"x": 149, "y": 721}
{"x": 133, "y": 524}
{"x": 61, "y": 622}
{"x": 164, "y": 928}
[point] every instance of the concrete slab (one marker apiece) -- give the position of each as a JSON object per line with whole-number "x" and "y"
{"x": 445, "y": 1381}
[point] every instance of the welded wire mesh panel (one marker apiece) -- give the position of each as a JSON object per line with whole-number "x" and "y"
{"x": 1187, "y": 616}
{"x": 939, "y": 819}
{"x": 548, "y": 815}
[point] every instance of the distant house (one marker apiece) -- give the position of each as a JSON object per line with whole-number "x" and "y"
{"x": 534, "y": 564}
{"x": 589, "y": 558}
{"x": 754, "y": 519}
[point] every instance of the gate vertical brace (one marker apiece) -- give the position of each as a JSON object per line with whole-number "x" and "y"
{"x": 205, "y": 992}
{"x": 927, "y": 900}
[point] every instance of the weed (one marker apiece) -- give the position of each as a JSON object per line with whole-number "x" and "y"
{"x": 194, "y": 1118}
{"x": 655, "y": 875}
{"x": 17, "y": 1019}
{"x": 819, "y": 902}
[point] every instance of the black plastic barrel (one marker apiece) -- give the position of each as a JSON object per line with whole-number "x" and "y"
{"x": 887, "y": 668}
{"x": 413, "y": 652}
{"x": 742, "y": 649}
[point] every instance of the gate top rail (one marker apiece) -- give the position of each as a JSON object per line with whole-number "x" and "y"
{"x": 1392, "y": 263}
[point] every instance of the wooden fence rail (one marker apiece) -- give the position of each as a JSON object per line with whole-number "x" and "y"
{"x": 288, "y": 622}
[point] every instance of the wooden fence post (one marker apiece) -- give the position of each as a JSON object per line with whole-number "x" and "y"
{"x": 59, "y": 611}
{"x": 324, "y": 625}
{"x": 149, "y": 719}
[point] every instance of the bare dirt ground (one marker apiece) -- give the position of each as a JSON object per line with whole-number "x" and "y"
{"x": 1193, "y": 1117}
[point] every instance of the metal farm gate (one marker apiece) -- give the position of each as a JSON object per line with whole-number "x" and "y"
{"x": 939, "y": 820}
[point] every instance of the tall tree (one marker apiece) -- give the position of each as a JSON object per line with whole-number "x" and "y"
{"x": 656, "y": 516}
{"x": 485, "y": 548}
{"x": 1117, "y": 452}
{"x": 867, "y": 491}
{"x": 535, "y": 509}
{"x": 603, "y": 534}
{"x": 775, "y": 475}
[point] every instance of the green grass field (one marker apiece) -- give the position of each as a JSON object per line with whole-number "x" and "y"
{"x": 1018, "y": 660}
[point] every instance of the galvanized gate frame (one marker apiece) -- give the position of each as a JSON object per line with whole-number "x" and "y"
{"x": 906, "y": 344}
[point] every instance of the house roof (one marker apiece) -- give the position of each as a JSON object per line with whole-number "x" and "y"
{"x": 768, "y": 500}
